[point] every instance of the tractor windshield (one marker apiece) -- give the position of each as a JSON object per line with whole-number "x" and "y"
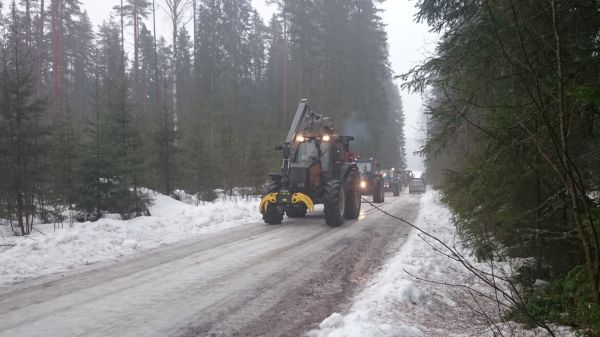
{"x": 307, "y": 151}
{"x": 326, "y": 157}
{"x": 364, "y": 166}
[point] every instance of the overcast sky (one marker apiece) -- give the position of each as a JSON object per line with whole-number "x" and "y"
{"x": 409, "y": 44}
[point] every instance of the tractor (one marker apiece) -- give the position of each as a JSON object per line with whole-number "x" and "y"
{"x": 391, "y": 181}
{"x": 318, "y": 168}
{"x": 371, "y": 179}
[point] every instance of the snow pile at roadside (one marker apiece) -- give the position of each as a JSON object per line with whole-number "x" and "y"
{"x": 89, "y": 242}
{"x": 396, "y": 304}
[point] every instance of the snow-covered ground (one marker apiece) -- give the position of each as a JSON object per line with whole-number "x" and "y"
{"x": 64, "y": 248}
{"x": 393, "y": 304}
{"x": 396, "y": 304}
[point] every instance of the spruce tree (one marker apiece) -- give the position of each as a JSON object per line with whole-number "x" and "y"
{"x": 114, "y": 164}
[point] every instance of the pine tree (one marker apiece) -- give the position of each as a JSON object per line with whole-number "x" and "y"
{"x": 185, "y": 82}
{"x": 177, "y": 11}
{"x": 22, "y": 133}
{"x": 135, "y": 11}
{"x": 165, "y": 134}
{"x": 80, "y": 81}
{"x": 208, "y": 65}
{"x": 275, "y": 75}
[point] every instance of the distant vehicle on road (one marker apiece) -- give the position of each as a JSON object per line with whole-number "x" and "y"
{"x": 416, "y": 186}
{"x": 371, "y": 179}
{"x": 392, "y": 181}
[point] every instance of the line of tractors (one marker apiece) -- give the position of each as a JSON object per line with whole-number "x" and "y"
{"x": 318, "y": 168}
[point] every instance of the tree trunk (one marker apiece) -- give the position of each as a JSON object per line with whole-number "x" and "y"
{"x": 285, "y": 71}
{"x": 175, "y": 69}
{"x": 28, "y": 23}
{"x": 195, "y": 23}
{"x": 136, "y": 57}
{"x": 56, "y": 59}
{"x": 156, "y": 85}
{"x": 584, "y": 234}
{"x": 40, "y": 49}
{"x": 122, "y": 14}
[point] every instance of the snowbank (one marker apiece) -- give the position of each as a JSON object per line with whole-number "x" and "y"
{"x": 396, "y": 304}
{"x": 89, "y": 242}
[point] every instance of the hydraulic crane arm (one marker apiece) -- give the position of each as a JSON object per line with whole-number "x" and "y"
{"x": 297, "y": 122}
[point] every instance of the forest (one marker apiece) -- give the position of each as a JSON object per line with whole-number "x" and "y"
{"x": 513, "y": 141}
{"x": 93, "y": 117}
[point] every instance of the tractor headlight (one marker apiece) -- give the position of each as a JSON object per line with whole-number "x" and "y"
{"x": 300, "y": 138}
{"x": 326, "y": 138}
{"x": 363, "y": 184}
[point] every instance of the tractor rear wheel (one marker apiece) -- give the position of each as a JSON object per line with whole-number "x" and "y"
{"x": 396, "y": 189}
{"x": 352, "y": 209}
{"x": 272, "y": 215}
{"x": 335, "y": 203}
{"x": 270, "y": 186}
{"x": 296, "y": 211}
{"x": 378, "y": 191}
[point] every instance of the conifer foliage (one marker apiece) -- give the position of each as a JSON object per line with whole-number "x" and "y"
{"x": 514, "y": 141}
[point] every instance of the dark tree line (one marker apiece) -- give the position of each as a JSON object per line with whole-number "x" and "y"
{"x": 514, "y": 142}
{"x": 88, "y": 118}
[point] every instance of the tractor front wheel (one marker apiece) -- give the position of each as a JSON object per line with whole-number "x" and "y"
{"x": 272, "y": 216}
{"x": 335, "y": 203}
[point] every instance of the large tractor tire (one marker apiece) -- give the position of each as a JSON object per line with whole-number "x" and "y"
{"x": 377, "y": 191}
{"x": 272, "y": 215}
{"x": 353, "y": 198}
{"x": 335, "y": 203}
{"x": 270, "y": 186}
{"x": 396, "y": 189}
{"x": 296, "y": 211}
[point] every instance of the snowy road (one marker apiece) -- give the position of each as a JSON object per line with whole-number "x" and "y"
{"x": 255, "y": 280}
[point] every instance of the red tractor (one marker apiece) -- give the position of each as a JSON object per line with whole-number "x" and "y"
{"x": 318, "y": 168}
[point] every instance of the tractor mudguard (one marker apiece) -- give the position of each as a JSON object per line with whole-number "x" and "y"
{"x": 270, "y": 198}
{"x": 346, "y": 169}
{"x": 305, "y": 199}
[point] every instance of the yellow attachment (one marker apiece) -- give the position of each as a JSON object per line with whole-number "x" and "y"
{"x": 301, "y": 197}
{"x": 270, "y": 198}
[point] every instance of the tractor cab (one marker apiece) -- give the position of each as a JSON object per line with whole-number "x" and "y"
{"x": 318, "y": 158}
